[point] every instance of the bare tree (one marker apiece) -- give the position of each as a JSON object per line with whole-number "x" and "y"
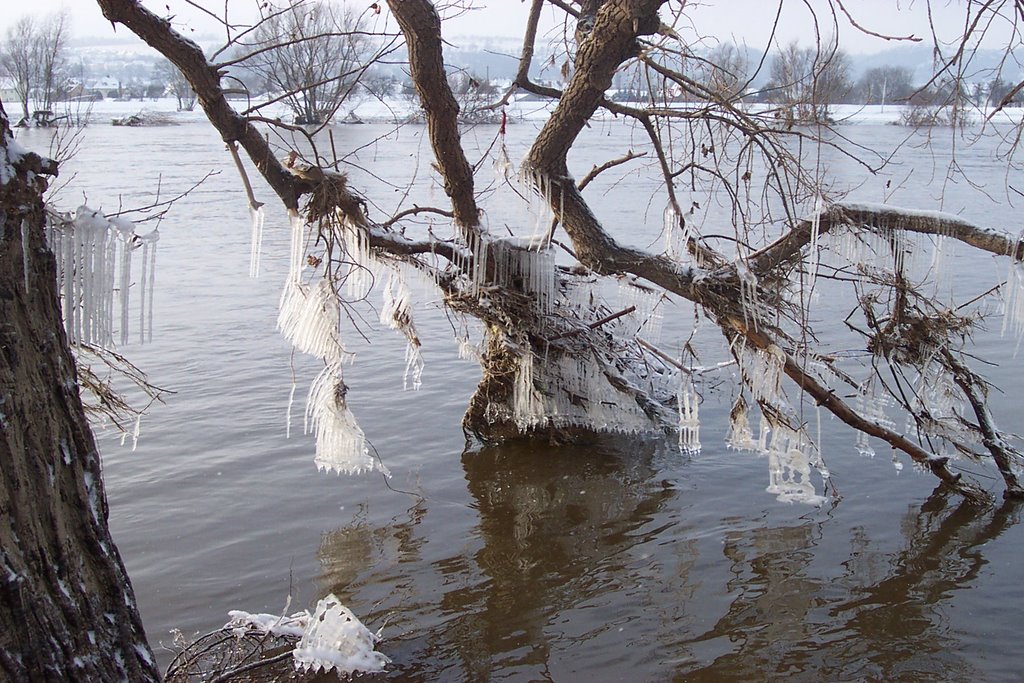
{"x": 558, "y": 364}
{"x": 885, "y": 84}
{"x": 52, "y": 65}
{"x": 726, "y": 70}
{"x": 34, "y": 57}
{"x": 18, "y": 59}
{"x": 311, "y": 53}
{"x": 177, "y": 85}
{"x": 808, "y": 81}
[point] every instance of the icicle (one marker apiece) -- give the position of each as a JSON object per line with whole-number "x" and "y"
{"x": 413, "y": 367}
{"x": 1013, "y": 301}
{"x": 257, "y": 216}
{"x": 748, "y": 293}
{"x": 24, "y": 254}
{"x": 142, "y": 293}
{"x": 677, "y": 233}
{"x": 70, "y": 305}
{"x": 689, "y": 419}
{"x": 126, "y": 279}
{"x": 814, "y": 254}
{"x": 396, "y": 313}
{"x": 480, "y": 244}
{"x": 154, "y": 238}
{"x": 741, "y": 437}
{"x": 288, "y": 412}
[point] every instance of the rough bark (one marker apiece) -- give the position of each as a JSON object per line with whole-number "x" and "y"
{"x": 67, "y": 610}
{"x": 422, "y": 28}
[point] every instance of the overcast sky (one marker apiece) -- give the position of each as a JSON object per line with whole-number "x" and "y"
{"x": 747, "y": 21}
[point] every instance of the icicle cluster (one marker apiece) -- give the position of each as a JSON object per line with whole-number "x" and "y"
{"x": 1013, "y": 300}
{"x": 362, "y": 267}
{"x": 517, "y": 264}
{"x": 871, "y": 404}
{"x": 791, "y": 455}
{"x": 94, "y": 276}
{"x": 396, "y": 313}
{"x": 761, "y": 372}
{"x": 689, "y": 419}
{"x": 309, "y": 316}
{"x": 741, "y": 436}
{"x": 648, "y": 311}
{"x": 572, "y": 390}
{"x": 538, "y": 188}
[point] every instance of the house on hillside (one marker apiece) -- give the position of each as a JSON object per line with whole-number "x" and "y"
{"x": 9, "y": 97}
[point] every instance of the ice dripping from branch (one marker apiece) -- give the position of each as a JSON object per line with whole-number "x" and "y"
{"x": 1013, "y": 300}
{"x": 689, "y": 419}
{"x": 741, "y": 436}
{"x": 309, "y": 317}
{"x": 257, "y": 216}
{"x": 396, "y": 313}
{"x": 330, "y": 639}
{"x": 791, "y": 455}
{"x": 94, "y": 264}
{"x": 340, "y": 443}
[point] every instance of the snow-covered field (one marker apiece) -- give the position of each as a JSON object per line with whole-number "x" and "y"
{"x": 398, "y": 109}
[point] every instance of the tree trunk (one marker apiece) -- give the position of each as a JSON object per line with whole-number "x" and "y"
{"x": 67, "y": 610}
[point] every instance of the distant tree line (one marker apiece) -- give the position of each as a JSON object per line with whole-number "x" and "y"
{"x": 807, "y": 82}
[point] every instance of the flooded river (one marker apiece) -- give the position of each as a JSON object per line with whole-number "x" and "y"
{"x": 627, "y": 561}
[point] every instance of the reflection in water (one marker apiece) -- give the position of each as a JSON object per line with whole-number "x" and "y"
{"x": 587, "y": 564}
{"x": 861, "y": 624}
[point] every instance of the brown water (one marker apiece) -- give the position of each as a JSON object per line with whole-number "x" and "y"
{"x": 628, "y": 561}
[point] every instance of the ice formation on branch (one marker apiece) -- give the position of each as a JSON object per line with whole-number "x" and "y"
{"x": 330, "y": 639}
{"x": 689, "y": 419}
{"x": 566, "y": 390}
{"x": 1013, "y": 300}
{"x": 525, "y": 265}
{"x": 791, "y": 455}
{"x": 309, "y": 317}
{"x": 94, "y": 268}
{"x": 396, "y": 313}
{"x": 335, "y": 640}
{"x": 741, "y": 436}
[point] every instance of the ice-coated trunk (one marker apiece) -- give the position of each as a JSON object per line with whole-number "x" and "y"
{"x": 67, "y": 610}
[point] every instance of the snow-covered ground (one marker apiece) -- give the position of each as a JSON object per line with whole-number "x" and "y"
{"x": 398, "y": 109}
